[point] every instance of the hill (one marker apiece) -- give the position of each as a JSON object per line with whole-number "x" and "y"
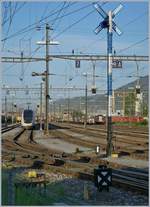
{"x": 97, "y": 104}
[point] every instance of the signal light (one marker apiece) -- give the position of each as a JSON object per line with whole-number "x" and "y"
{"x": 93, "y": 90}
{"x": 138, "y": 90}
{"x": 77, "y": 63}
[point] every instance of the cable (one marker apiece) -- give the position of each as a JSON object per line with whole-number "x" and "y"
{"x": 25, "y": 29}
{"x": 12, "y": 14}
{"x": 5, "y": 9}
{"x": 59, "y": 21}
{"x": 22, "y": 30}
{"x": 41, "y": 46}
{"x": 73, "y": 24}
{"x": 87, "y": 46}
{"x": 136, "y": 43}
{"x": 130, "y": 22}
{"x": 12, "y": 65}
{"x": 135, "y": 19}
{"x": 59, "y": 13}
{"x": 17, "y": 10}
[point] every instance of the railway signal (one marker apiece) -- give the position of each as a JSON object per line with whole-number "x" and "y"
{"x": 103, "y": 177}
{"x": 111, "y": 26}
{"x": 77, "y": 63}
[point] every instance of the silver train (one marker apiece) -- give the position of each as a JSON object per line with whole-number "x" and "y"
{"x": 28, "y": 119}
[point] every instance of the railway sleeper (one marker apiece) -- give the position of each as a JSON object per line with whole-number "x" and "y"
{"x": 83, "y": 159}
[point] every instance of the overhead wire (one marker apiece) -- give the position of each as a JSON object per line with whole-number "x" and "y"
{"x": 134, "y": 44}
{"x": 12, "y": 14}
{"x": 41, "y": 46}
{"x": 59, "y": 21}
{"x": 79, "y": 20}
{"x": 4, "y": 11}
{"x": 27, "y": 28}
{"x": 135, "y": 19}
{"x": 64, "y": 3}
{"x": 121, "y": 50}
{"x": 42, "y": 39}
{"x": 70, "y": 26}
{"x": 17, "y": 10}
{"x": 125, "y": 25}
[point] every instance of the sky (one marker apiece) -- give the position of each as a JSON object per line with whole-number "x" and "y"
{"x": 73, "y": 26}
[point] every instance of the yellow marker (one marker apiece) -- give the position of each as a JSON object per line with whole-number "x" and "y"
{"x": 32, "y": 174}
{"x": 114, "y": 155}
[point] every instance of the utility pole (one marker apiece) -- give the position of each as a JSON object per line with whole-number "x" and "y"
{"x": 47, "y": 80}
{"x": 110, "y": 25}
{"x": 54, "y": 110}
{"x": 41, "y": 107}
{"x": 85, "y": 120}
{"x": 47, "y": 58}
{"x": 138, "y": 93}
{"x": 60, "y": 112}
{"x": 113, "y": 103}
{"x": 12, "y": 117}
{"x": 68, "y": 106}
{"x": 123, "y": 102}
{"x": 5, "y": 111}
{"x": 94, "y": 85}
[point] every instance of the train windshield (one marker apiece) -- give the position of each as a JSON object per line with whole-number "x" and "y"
{"x": 28, "y": 116}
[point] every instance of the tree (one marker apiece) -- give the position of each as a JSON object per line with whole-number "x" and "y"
{"x": 145, "y": 110}
{"x": 130, "y": 104}
{"x": 77, "y": 115}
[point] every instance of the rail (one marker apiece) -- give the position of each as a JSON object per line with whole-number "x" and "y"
{"x": 6, "y": 129}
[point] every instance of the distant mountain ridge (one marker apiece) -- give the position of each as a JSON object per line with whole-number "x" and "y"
{"x": 143, "y": 81}
{"x": 98, "y": 103}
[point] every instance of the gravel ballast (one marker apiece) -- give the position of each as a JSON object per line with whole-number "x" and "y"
{"x": 73, "y": 193}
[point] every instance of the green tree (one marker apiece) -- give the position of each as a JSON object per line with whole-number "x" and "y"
{"x": 130, "y": 104}
{"x": 145, "y": 110}
{"x": 77, "y": 115}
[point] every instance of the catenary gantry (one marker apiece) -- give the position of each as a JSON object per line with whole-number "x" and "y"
{"x": 75, "y": 57}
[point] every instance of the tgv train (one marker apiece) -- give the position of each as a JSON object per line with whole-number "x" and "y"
{"x": 28, "y": 119}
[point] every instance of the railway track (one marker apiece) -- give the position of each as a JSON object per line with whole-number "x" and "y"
{"x": 116, "y": 131}
{"x": 125, "y": 129}
{"x": 6, "y": 129}
{"x": 17, "y": 136}
{"x": 124, "y": 145}
{"x": 131, "y": 180}
{"x": 29, "y": 153}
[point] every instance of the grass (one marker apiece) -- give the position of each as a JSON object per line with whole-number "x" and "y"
{"x": 140, "y": 124}
{"x": 32, "y": 196}
{"x": 4, "y": 189}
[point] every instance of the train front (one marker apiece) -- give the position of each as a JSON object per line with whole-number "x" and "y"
{"x": 27, "y": 121}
